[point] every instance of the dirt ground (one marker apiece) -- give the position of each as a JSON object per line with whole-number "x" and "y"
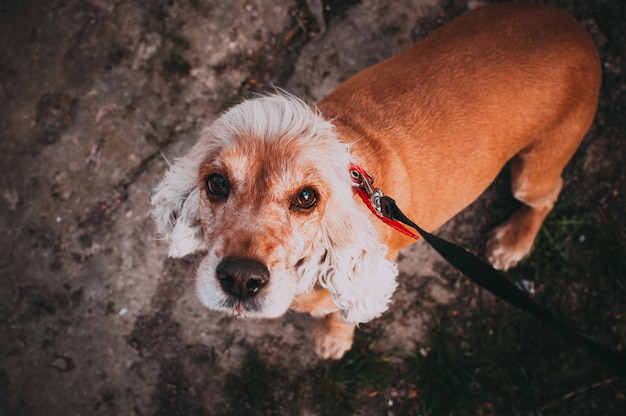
{"x": 96, "y": 96}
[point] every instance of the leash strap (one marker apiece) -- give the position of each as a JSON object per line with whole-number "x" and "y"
{"x": 478, "y": 271}
{"x": 489, "y": 278}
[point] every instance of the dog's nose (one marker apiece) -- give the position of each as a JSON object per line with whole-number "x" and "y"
{"x": 242, "y": 277}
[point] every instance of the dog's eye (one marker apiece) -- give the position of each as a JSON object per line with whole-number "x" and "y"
{"x": 217, "y": 186}
{"x": 305, "y": 199}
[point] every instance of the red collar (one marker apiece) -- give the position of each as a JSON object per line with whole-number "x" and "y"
{"x": 371, "y": 197}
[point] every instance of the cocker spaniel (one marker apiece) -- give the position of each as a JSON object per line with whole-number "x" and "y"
{"x": 267, "y": 192}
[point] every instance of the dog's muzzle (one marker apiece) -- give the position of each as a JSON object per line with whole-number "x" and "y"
{"x": 242, "y": 278}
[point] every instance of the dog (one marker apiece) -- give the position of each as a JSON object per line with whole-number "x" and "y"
{"x": 267, "y": 192}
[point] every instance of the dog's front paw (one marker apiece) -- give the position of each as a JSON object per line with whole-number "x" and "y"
{"x": 332, "y": 337}
{"x": 329, "y": 347}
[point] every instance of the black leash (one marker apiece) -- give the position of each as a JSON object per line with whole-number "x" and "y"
{"x": 489, "y": 278}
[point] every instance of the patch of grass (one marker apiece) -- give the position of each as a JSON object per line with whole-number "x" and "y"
{"x": 557, "y": 248}
{"x": 331, "y": 388}
{"x": 520, "y": 367}
{"x": 255, "y": 387}
{"x": 499, "y": 360}
{"x": 336, "y": 386}
{"x": 505, "y": 363}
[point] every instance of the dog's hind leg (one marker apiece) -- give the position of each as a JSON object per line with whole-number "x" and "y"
{"x": 512, "y": 241}
{"x": 536, "y": 182}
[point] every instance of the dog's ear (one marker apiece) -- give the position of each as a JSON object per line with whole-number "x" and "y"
{"x": 176, "y": 204}
{"x": 356, "y": 272}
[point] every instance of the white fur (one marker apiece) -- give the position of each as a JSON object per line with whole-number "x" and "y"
{"x": 175, "y": 205}
{"x": 338, "y": 248}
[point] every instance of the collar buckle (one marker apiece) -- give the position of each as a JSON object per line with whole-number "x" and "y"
{"x": 382, "y": 206}
{"x": 364, "y": 180}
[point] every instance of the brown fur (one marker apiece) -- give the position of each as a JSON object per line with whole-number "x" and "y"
{"x": 436, "y": 123}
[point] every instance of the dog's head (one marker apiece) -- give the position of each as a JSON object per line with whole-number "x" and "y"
{"x": 267, "y": 193}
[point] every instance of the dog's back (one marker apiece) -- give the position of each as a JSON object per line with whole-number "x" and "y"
{"x": 440, "y": 120}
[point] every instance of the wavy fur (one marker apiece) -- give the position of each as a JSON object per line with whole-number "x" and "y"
{"x": 336, "y": 248}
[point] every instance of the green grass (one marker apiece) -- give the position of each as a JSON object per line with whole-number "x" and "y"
{"x": 501, "y": 361}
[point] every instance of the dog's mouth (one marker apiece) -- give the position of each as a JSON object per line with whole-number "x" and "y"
{"x": 242, "y": 307}
{"x": 243, "y": 287}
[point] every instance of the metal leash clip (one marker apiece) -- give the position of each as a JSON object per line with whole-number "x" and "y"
{"x": 366, "y": 182}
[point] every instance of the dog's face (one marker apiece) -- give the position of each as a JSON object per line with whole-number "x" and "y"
{"x": 262, "y": 201}
{"x": 267, "y": 192}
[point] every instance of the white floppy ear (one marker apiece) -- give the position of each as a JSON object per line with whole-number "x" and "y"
{"x": 358, "y": 275}
{"x": 176, "y": 204}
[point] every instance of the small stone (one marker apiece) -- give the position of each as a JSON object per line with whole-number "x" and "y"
{"x": 62, "y": 364}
